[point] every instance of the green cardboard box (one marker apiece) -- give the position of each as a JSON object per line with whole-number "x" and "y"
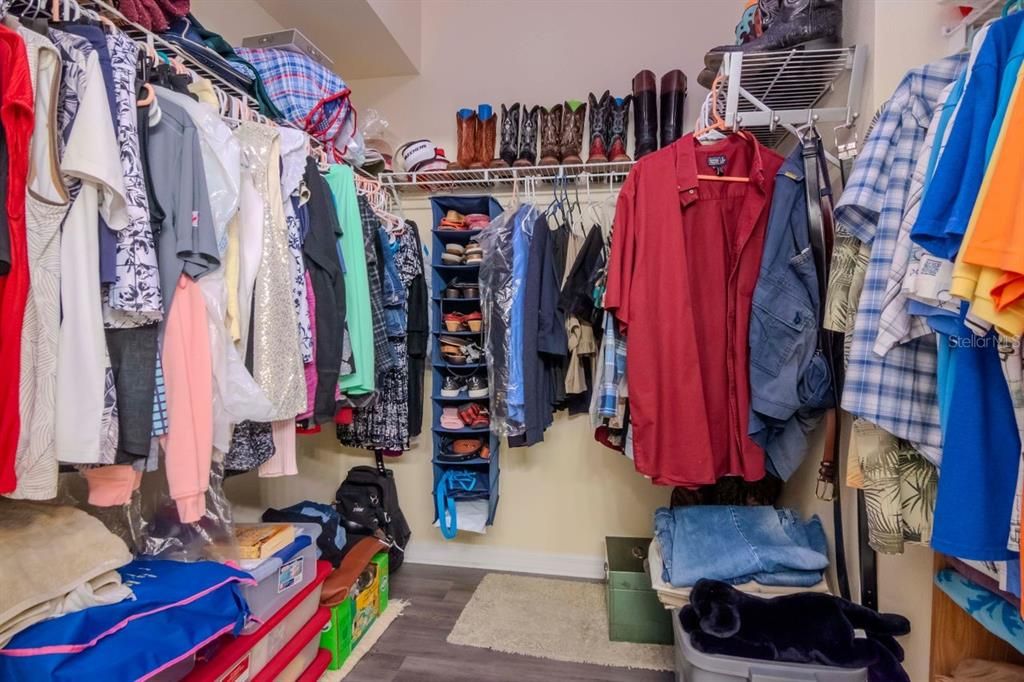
{"x": 353, "y": 617}
{"x": 634, "y": 612}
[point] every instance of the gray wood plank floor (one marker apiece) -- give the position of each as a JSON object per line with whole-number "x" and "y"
{"x": 414, "y": 648}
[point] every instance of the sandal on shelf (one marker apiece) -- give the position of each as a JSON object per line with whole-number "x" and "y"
{"x": 453, "y": 220}
{"x": 474, "y": 321}
{"x": 454, "y": 358}
{"x": 450, "y": 418}
{"x": 458, "y": 289}
{"x": 454, "y": 322}
{"x": 473, "y": 254}
{"x": 462, "y": 449}
{"x": 467, "y": 413}
{"x": 476, "y": 221}
{"x": 481, "y": 418}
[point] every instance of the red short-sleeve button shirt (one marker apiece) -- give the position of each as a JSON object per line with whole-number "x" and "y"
{"x": 684, "y": 262}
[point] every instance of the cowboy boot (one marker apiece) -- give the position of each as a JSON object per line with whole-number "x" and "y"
{"x": 645, "y": 113}
{"x": 550, "y": 135}
{"x": 787, "y": 24}
{"x": 528, "y": 137}
{"x": 618, "y": 129}
{"x": 574, "y": 117}
{"x": 673, "y": 93}
{"x": 487, "y": 129}
{"x": 509, "y": 136}
{"x": 599, "y": 113}
{"x": 466, "y": 124}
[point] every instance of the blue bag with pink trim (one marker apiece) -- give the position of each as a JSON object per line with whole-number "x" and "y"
{"x": 178, "y": 608}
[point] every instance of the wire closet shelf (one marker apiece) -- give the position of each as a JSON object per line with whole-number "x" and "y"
{"x": 438, "y": 181}
{"x": 771, "y": 94}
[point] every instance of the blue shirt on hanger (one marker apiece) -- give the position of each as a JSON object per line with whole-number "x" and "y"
{"x": 949, "y": 200}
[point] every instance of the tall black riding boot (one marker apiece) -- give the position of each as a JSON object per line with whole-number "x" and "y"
{"x": 645, "y": 113}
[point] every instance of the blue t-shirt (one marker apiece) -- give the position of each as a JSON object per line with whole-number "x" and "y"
{"x": 950, "y": 197}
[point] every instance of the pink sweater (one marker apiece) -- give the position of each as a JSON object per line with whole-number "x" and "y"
{"x": 188, "y": 373}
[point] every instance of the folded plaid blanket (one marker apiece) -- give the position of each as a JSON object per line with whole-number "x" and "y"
{"x": 309, "y": 95}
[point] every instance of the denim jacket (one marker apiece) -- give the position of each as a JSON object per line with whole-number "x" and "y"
{"x": 790, "y": 384}
{"x": 392, "y": 288}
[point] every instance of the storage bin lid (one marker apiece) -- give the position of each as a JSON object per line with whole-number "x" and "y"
{"x": 760, "y": 671}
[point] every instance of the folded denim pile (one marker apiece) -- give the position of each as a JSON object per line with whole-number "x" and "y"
{"x": 761, "y": 550}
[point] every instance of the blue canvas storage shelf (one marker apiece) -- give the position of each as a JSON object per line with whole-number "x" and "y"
{"x": 442, "y": 275}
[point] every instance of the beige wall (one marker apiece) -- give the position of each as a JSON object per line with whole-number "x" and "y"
{"x": 540, "y": 52}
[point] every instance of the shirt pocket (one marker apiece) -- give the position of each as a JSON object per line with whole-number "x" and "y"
{"x": 776, "y": 330}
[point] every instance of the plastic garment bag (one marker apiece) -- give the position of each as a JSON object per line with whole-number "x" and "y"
{"x": 502, "y": 275}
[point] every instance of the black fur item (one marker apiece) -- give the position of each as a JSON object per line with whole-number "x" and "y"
{"x": 807, "y": 627}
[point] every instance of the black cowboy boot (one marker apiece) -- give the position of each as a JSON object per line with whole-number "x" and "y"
{"x": 509, "y": 137}
{"x": 618, "y": 129}
{"x": 797, "y": 22}
{"x": 645, "y": 113}
{"x": 673, "y": 93}
{"x": 528, "y": 137}
{"x": 600, "y": 111}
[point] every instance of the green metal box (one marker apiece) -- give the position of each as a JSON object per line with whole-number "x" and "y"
{"x": 634, "y": 612}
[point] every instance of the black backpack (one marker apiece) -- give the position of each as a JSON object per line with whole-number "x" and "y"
{"x": 368, "y": 502}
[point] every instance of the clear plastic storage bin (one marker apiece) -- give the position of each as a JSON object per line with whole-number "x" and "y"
{"x": 696, "y": 666}
{"x": 278, "y": 580}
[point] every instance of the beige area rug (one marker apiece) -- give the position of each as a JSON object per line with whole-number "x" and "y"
{"x": 562, "y": 620}
{"x": 383, "y": 622}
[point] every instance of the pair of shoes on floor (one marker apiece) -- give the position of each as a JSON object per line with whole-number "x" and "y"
{"x": 781, "y": 25}
{"x": 457, "y": 254}
{"x": 474, "y": 386}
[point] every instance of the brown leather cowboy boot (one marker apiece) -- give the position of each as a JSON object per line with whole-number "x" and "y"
{"x": 574, "y": 117}
{"x": 550, "y": 135}
{"x": 466, "y": 124}
{"x": 487, "y": 130}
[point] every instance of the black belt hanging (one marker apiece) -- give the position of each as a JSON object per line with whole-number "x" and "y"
{"x": 830, "y": 346}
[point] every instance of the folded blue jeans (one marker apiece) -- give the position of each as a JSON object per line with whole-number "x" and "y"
{"x": 740, "y": 544}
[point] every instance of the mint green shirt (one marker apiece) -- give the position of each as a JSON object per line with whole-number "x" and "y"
{"x": 358, "y": 317}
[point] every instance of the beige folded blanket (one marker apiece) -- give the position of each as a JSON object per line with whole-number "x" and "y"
{"x": 54, "y": 560}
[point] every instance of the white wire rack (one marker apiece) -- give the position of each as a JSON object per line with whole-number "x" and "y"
{"x": 488, "y": 178}
{"x": 770, "y": 94}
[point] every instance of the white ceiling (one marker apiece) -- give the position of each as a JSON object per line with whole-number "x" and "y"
{"x": 365, "y": 38}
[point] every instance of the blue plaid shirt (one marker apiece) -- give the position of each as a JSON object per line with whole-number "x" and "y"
{"x": 896, "y": 391}
{"x": 613, "y": 356}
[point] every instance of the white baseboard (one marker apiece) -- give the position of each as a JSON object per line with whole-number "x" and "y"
{"x": 504, "y": 559}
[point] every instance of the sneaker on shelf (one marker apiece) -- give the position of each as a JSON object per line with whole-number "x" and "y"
{"x": 452, "y": 387}
{"x": 477, "y": 386}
